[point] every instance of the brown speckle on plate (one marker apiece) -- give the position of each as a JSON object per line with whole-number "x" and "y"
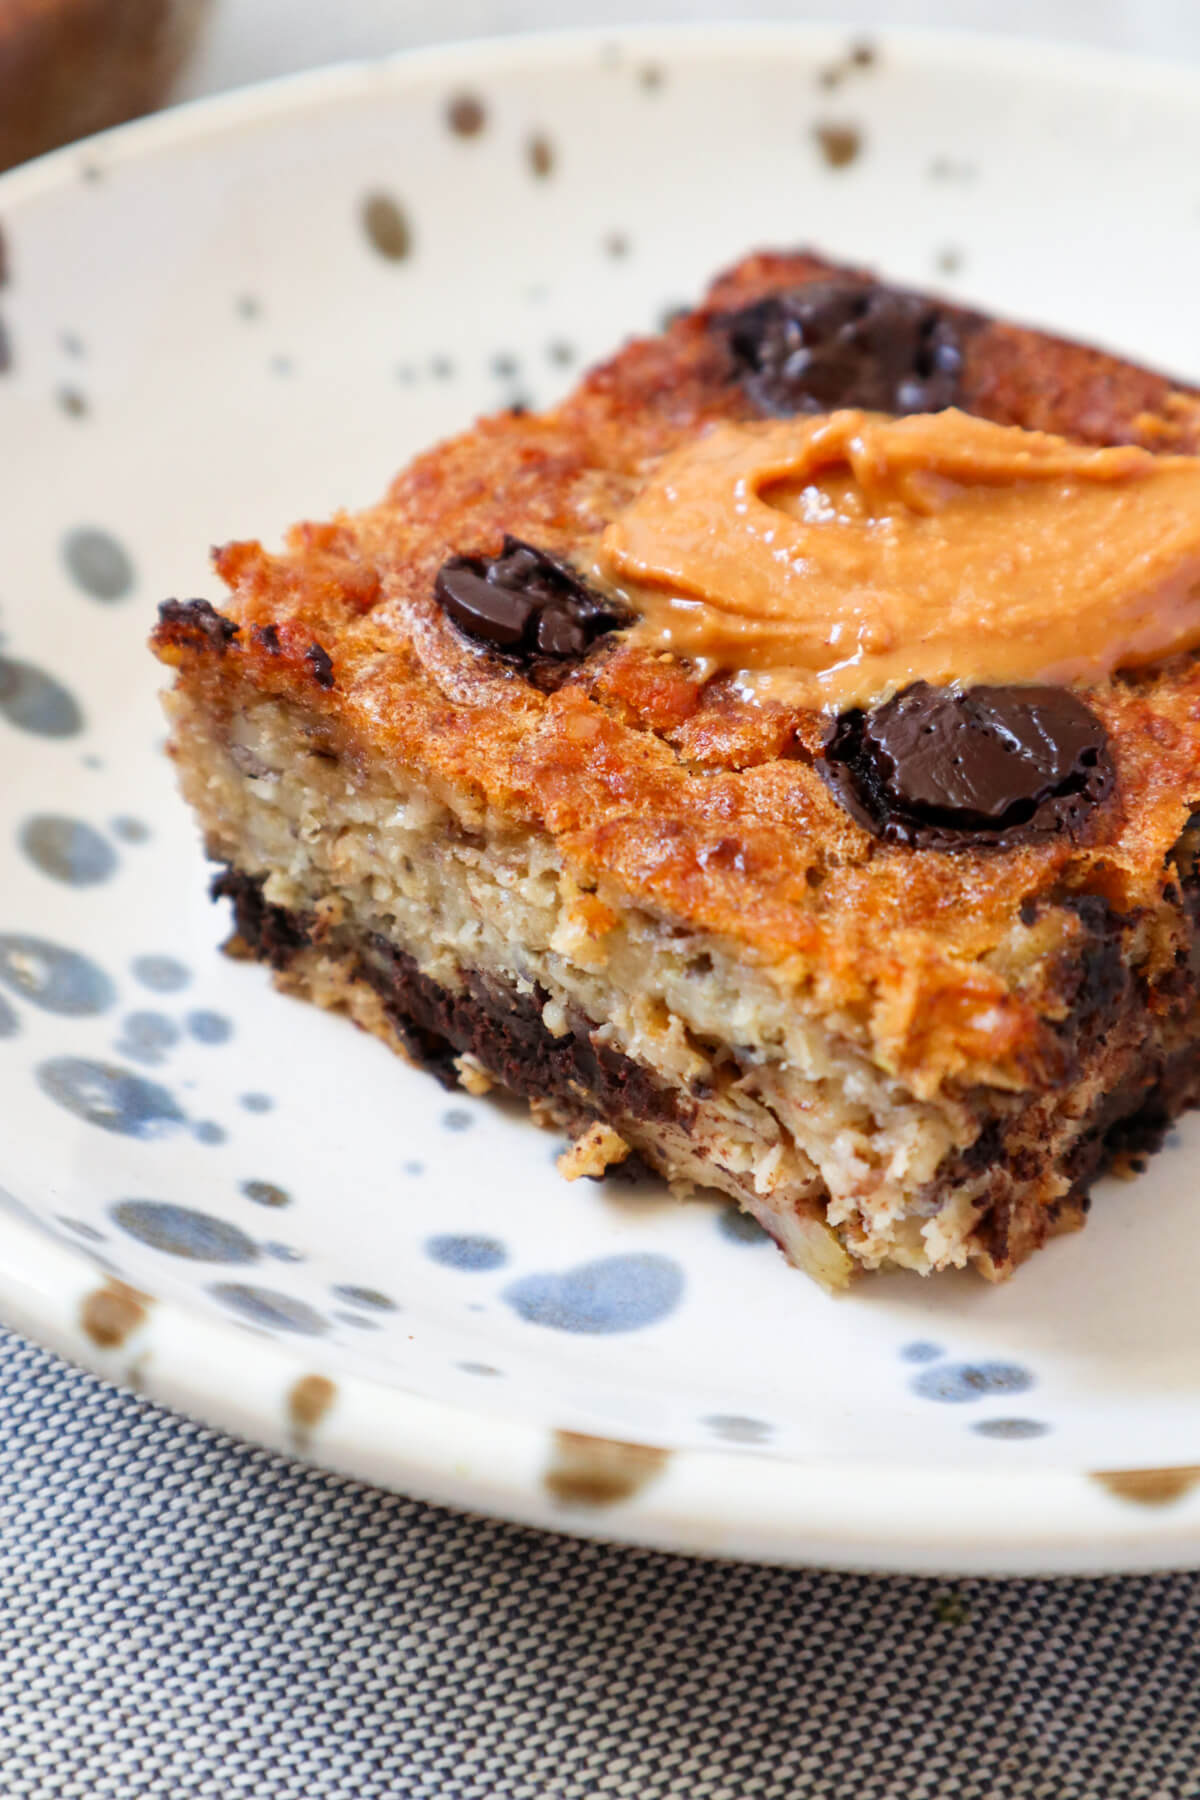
{"x": 109, "y": 1315}
{"x": 540, "y": 152}
{"x": 616, "y": 244}
{"x": 466, "y": 115}
{"x": 593, "y": 1471}
{"x": 308, "y": 1401}
{"x": 1150, "y": 1487}
{"x": 651, "y": 77}
{"x": 386, "y": 225}
{"x": 72, "y": 402}
{"x": 860, "y": 57}
{"x": 840, "y": 145}
{"x": 949, "y": 261}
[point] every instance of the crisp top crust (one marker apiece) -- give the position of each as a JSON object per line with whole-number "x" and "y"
{"x": 703, "y": 807}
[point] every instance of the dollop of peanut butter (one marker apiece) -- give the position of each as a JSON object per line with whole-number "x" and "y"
{"x": 831, "y": 561}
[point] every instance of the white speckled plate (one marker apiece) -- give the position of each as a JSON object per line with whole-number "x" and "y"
{"x": 255, "y": 310}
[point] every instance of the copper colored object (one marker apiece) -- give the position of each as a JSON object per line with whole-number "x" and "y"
{"x": 71, "y": 67}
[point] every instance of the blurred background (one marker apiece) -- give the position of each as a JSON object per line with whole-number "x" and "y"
{"x": 69, "y": 67}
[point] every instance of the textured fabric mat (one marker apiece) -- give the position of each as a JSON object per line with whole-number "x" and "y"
{"x": 182, "y": 1614}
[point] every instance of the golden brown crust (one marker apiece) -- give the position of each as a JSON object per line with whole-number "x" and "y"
{"x": 704, "y": 808}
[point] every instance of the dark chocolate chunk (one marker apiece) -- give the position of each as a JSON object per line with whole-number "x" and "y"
{"x": 198, "y": 624}
{"x": 944, "y": 770}
{"x": 827, "y": 344}
{"x": 271, "y": 932}
{"x": 268, "y": 637}
{"x": 317, "y": 658}
{"x": 1104, "y": 978}
{"x": 525, "y": 603}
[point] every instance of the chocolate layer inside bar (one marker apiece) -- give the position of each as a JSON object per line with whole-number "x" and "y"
{"x": 487, "y": 1019}
{"x": 503, "y": 1031}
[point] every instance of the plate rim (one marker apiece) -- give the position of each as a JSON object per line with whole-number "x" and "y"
{"x": 262, "y": 101}
{"x": 752, "y": 1505}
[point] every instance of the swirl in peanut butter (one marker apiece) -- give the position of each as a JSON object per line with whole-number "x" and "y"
{"x": 829, "y": 562}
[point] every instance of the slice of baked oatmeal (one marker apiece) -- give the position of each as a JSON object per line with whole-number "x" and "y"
{"x": 778, "y": 762}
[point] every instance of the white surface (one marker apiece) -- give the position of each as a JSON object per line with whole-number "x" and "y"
{"x": 196, "y": 433}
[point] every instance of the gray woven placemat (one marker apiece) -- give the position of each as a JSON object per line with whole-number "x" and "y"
{"x": 183, "y": 1614}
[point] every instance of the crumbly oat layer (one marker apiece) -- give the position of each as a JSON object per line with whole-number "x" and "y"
{"x": 451, "y": 936}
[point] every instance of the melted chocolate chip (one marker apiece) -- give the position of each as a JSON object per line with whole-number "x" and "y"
{"x": 198, "y": 624}
{"x": 525, "y": 603}
{"x": 943, "y": 770}
{"x": 317, "y": 658}
{"x": 847, "y": 343}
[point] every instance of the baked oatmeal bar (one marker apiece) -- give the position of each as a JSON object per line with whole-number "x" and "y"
{"x": 779, "y": 763}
